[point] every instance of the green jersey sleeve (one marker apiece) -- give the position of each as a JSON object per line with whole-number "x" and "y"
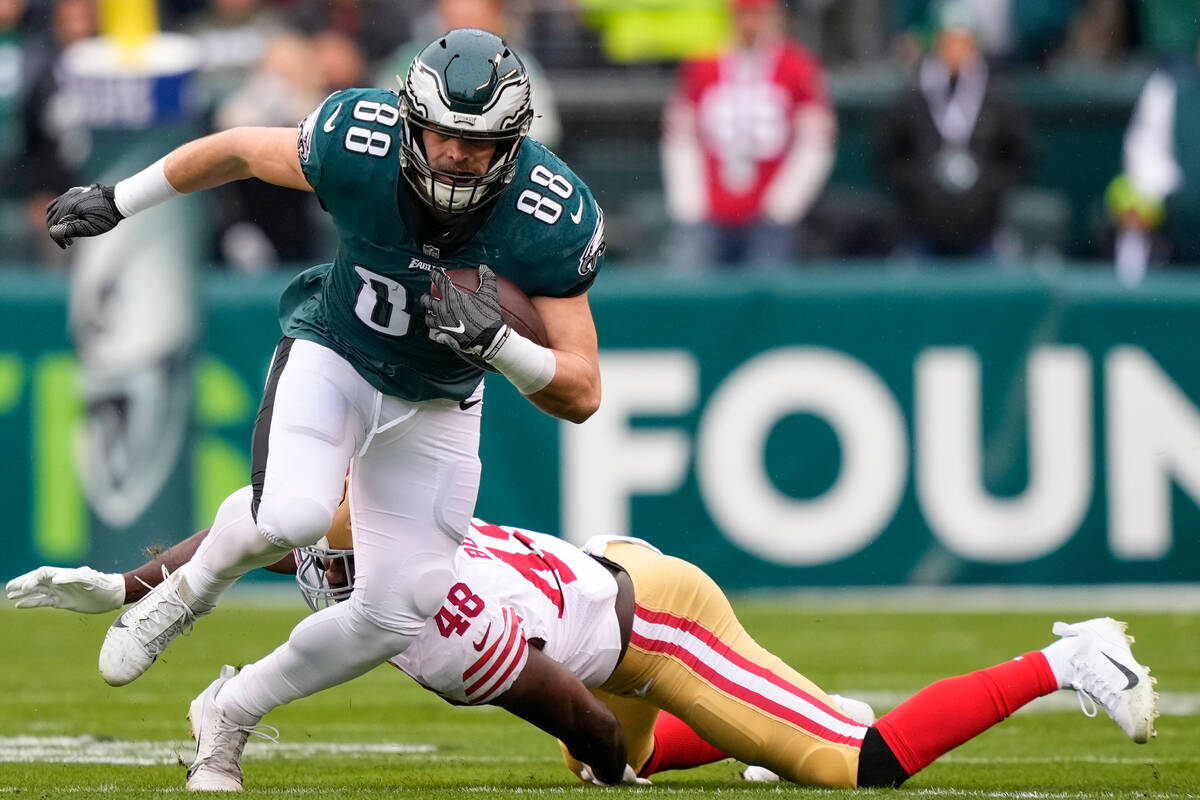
{"x": 553, "y": 225}
{"x": 349, "y": 124}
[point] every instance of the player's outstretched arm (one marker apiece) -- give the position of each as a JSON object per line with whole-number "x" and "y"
{"x": 552, "y": 698}
{"x": 89, "y": 591}
{"x": 268, "y": 154}
{"x": 81, "y": 589}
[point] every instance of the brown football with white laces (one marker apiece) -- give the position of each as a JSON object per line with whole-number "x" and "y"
{"x": 515, "y": 308}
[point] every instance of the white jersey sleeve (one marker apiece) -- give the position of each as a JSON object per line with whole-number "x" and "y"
{"x": 516, "y": 587}
{"x": 470, "y": 652}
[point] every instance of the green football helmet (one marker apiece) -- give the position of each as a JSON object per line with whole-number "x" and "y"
{"x": 469, "y": 84}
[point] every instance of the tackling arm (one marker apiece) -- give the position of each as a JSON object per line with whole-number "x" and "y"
{"x": 89, "y": 591}
{"x": 142, "y": 579}
{"x": 552, "y": 698}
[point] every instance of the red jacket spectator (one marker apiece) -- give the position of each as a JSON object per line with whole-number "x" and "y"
{"x": 748, "y": 135}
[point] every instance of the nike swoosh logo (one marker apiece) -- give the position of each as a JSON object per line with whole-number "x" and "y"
{"x": 466, "y": 404}
{"x": 482, "y": 639}
{"x": 459, "y": 329}
{"x": 328, "y": 126}
{"x": 646, "y": 688}
{"x": 578, "y": 215}
{"x": 1129, "y": 675}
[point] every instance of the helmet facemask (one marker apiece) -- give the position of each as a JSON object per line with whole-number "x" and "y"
{"x": 324, "y": 574}
{"x": 468, "y": 85}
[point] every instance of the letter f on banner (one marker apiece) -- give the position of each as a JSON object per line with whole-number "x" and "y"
{"x": 605, "y": 461}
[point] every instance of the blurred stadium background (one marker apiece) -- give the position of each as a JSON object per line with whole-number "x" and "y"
{"x": 865, "y": 413}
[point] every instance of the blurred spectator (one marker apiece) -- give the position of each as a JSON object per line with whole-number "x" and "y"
{"x": 1161, "y": 181}
{"x": 258, "y": 225}
{"x": 747, "y": 145}
{"x": 233, "y": 36}
{"x": 847, "y": 33}
{"x": 1100, "y": 34}
{"x": 490, "y": 15}
{"x": 14, "y": 76}
{"x": 376, "y": 27}
{"x": 51, "y": 143}
{"x": 283, "y": 88}
{"x": 953, "y": 145}
{"x": 18, "y": 57}
{"x": 1007, "y": 31}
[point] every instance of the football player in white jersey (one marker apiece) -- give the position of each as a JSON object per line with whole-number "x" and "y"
{"x": 532, "y": 623}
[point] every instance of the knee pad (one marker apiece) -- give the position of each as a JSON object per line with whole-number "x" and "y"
{"x": 406, "y": 599}
{"x": 293, "y": 521}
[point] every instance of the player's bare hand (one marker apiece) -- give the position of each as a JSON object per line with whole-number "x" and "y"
{"x": 82, "y": 211}
{"x": 587, "y": 776}
{"x": 81, "y": 589}
{"x": 468, "y": 322}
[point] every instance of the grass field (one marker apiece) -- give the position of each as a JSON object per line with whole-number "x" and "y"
{"x": 64, "y": 733}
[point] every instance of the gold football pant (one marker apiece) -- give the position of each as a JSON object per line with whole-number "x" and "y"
{"x": 689, "y": 655}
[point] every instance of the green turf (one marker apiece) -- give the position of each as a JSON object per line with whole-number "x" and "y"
{"x": 54, "y": 691}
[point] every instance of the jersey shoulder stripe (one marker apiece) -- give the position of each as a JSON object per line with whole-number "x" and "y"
{"x": 498, "y": 663}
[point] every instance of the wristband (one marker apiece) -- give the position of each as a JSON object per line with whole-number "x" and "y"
{"x": 145, "y": 189}
{"x": 527, "y": 365}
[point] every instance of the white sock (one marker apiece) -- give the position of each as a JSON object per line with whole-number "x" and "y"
{"x": 324, "y": 650}
{"x": 1060, "y": 655}
{"x": 231, "y": 549}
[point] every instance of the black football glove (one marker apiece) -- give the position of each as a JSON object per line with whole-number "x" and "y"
{"x": 82, "y": 211}
{"x": 467, "y": 322}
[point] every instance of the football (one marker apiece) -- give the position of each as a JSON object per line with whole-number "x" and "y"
{"x": 515, "y": 308}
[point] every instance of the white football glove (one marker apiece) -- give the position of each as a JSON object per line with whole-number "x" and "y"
{"x": 587, "y": 776}
{"x": 81, "y": 589}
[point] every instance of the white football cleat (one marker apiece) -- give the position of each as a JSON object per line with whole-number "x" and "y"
{"x": 137, "y": 637}
{"x": 1104, "y": 670}
{"x": 219, "y": 741}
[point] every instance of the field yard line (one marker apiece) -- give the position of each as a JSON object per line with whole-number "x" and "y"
{"x": 91, "y": 750}
{"x": 1170, "y": 704}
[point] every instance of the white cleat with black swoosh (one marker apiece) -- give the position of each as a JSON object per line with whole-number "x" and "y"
{"x": 1106, "y": 672}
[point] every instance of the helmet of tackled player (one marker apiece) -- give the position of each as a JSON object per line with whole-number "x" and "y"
{"x": 466, "y": 84}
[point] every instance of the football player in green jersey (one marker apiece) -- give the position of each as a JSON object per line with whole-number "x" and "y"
{"x": 368, "y": 375}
